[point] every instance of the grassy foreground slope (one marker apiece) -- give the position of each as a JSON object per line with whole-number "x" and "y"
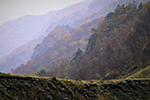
{"x": 144, "y": 73}
{"x": 15, "y": 87}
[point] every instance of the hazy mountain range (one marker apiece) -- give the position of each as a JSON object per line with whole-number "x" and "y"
{"x": 29, "y": 27}
{"x": 59, "y": 31}
{"x": 103, "y": 54}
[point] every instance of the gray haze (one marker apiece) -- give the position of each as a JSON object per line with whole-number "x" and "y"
{"x": 12, "y": 9}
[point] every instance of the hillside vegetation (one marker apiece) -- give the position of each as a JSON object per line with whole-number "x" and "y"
{"x": 49, "y": 53}
{"x": 113, "y": 50}
{"x": 34, "y": 88}
{"x": 103, "y": 59}
{"x": 118, "y": 48}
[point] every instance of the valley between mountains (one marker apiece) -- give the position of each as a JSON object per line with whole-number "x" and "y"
{"x": 93, "y": 50}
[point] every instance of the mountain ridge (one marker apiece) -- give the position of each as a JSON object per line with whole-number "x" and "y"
{"x": 42, "y": 32}
{"x": 43, "y": 60}
{"x": 14, "y": 32}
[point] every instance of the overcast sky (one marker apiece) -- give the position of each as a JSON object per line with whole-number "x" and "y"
{"x": 12, "y": 9}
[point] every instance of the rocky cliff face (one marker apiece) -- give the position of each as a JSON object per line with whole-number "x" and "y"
{"x": 76, "y": 57}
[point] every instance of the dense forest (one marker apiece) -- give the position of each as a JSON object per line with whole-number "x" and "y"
{"x": 119, "y": 45}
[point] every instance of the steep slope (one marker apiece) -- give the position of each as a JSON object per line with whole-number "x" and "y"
{"x": 50, "y": 40}
{"x": 119, "y": 46}
{"x": 66, "y": 16}
{"x": 21, "y": 30}
{"x": 80, "y": 20}
{"x": 63, "y": 48}
{"x": 75, "y": 12}
{"x": 36, "y": 25}
{"x": 40, "y": 21}
{"x": 144, "y": 73}
{"x": 103, "y": 10}
{"x": 78, "y": 12}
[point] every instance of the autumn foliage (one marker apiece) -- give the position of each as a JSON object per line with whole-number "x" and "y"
{"x": 118, "y": 46}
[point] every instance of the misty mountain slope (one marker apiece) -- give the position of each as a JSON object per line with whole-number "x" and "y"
{"x": 39, "y": 22}
{"x": 116, "y": 49}
{"x": 96, "y": 5}
{"x": 64, "y": 47}
{"x": 19, "y": 56}
{"x": 21, "y": 30}
{"x": 50, "y": 40}
{"x": 81, "y": 20}
{"x": 100, "y": 8}
{"x": 91, "y": 17}
{"x": 77, "y": 14}
{"x": 78, "y": 11}
{"x": 116, "y": 3}
{"x": 66, "y": 16}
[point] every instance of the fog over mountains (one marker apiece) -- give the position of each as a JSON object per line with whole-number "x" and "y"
{"x": 24, "y": 29}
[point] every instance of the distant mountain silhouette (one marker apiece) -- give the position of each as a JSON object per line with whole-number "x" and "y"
{"x": 21, "y": 30}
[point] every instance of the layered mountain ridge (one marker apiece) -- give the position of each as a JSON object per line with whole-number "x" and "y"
{"x": 20, "y": 31}
{"x": 32, "y": 29}
{"x": 52, "y": 54}
{"x": 61, "y": 43}
{"x": 108, "y": 57}
{"x": 69, "y": 17}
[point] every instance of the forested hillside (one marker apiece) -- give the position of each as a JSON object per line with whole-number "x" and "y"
{"x": 50, "y": 40}
{"x": 61, "y": 50}
{"x": 74, "y": 16}
{"x": 93, "y": 50}
{"x": 27, "y": 29}
{"x": 117, "y": 48}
